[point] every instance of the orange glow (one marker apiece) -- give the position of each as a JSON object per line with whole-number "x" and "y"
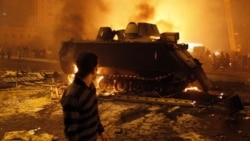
{"x": 196, "y": 20}
{"x": 169, "y": 15}
{"x": 192, "y": 45}
{"x": 192, "y": 88}
{"x": 75, "y": 68}
{"x": 97, "y": 81}
{"x": 193, "y": 103}
{"x": 153, "y": 38}
{"x": 72, "y": 76}
{"x": 217, "y": 53}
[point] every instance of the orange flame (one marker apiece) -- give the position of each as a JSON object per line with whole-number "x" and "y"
{"x": 192, "y": 88}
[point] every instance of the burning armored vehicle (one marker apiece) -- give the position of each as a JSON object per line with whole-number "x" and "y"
{"x": 138, "y": 59}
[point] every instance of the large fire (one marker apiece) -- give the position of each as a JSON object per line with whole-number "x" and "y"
{"x": 99, "y": 78}
{"x": 110, "y": 90}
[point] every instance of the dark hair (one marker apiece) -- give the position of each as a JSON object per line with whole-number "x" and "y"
{"x": 86, "y": 62}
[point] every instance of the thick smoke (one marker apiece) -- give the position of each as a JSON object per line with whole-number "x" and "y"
{"x": 81, "y": 19}
{"x": 78, "y": 18}
{"x": 197, "y": 21}
{"x": 145, "y": 12}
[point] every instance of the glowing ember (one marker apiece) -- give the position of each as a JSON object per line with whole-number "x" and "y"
{"x": 106, "y": 92}
{"x": 75, "y": 68}
{"x": 193, "y": 103}
{"x": 153, "y": 38}
{"x": 192, "y": 88}
{"x": 221, "y": 95}
{"x": 72, "y": 76}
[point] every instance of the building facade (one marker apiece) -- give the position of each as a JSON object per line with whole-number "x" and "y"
{"x": 22, "y": 20}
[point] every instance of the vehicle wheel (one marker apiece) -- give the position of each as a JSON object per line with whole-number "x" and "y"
{"x": 121, "y": 86}
{"x": 138, "y": 86}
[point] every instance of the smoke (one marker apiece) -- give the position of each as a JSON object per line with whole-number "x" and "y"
{"x": 81, "y": 19}
{"x": 78, "y": 18}
{"x": 145, "y": 11}
{"x": 197, "y": 21}
{"x": 14, "y": 13}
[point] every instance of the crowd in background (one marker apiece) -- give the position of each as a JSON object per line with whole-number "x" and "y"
{"x": 225, "y": 61}
{"x": 215, "y": 61}
{"x": 21, "y": 52}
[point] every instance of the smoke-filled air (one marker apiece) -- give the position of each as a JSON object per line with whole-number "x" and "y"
{"x": 199, "y": 21}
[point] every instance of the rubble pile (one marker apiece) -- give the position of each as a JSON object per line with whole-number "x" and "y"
{"x": 12, "y": 78}
{"x": 25, "y": 135}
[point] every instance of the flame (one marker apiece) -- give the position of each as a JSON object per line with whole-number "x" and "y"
{"x": 153, "y": 38}
{"x": 191, "y": 46}
{"x": 108, "y": 90}
{"x": 192, "y": 88}
{"x": 75, "y": 68}
{"x": 99, "y": 77}
{"x": 97, "y": 81}
{"x": 193, "y": 103}
{"x": 71, "y": 77}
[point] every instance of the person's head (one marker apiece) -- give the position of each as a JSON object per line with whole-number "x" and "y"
{"x": 86, "y": 63}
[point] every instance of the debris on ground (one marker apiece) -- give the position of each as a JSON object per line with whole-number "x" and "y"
{"x": 25, "y": 135}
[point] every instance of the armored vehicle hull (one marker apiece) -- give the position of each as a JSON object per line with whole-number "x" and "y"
{"x": 139, "y": 62}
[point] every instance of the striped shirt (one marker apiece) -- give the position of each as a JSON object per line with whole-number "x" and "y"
{"x": 80, "y": 111}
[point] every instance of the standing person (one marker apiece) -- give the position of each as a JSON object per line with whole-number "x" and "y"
{"x": 80, "y": 105}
